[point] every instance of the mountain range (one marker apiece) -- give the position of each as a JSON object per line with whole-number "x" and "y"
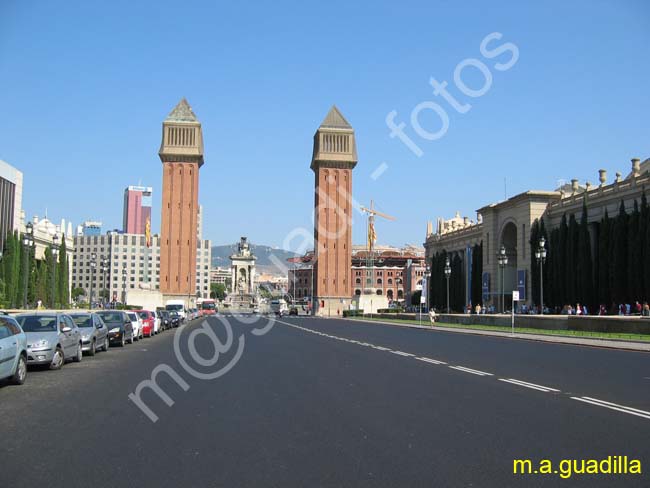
{"x": 267, "y": 257}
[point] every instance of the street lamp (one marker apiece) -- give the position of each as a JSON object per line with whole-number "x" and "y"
{"x": 447, "y": 275}
{"x": 93, "y": 264}
{"x": 124, "y": 284}
{"x": 540, "y": 254}
{"x": 28, "y": 243}
{"x": 104, "y": 269}
{"x": 502, "y": 259}
{"x": 54, "y": 253}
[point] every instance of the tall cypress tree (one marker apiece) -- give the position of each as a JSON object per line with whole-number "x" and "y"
{"x": 633, "y": 255}
{"x": 619, "y": 255}
{"x": 604, "y": 277}
{"x": 562, "y": 252}
{"x": 534, "y": 265}
{"x": 644, "y": 245}
{"x": 63, "y": 296}
{"x": 572, "y": 261}
{"x": 17, "y": 273}
{"x": 585, "y": 277}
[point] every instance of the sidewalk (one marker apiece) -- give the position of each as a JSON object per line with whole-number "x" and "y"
{"x": 557, "y": 339}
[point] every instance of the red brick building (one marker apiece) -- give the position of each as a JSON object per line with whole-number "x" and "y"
{"x": 181, "y": 153}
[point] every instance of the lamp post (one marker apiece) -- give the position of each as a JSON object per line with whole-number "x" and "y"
{"x": 28, "y": 243}
{"x": 447, "y": 275}
{"x": 540, "y": 254}
{"x": 124, "y": 284}
{"x": 104, "y": 269}
{"x": 93, "y": 264}
{"x": 502, "y": 259}
{"x": 54, "y": 253}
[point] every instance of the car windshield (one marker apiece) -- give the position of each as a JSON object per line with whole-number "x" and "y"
{"x": 144, "y": 315}
{"x": 37, "y": 323}
{"x": 208, "y": 306}
{"x": 111, "y": 317}
{"x": 174, "y": 307}
{"x": 132, "y": 316}
{"x": 82, "y": 320}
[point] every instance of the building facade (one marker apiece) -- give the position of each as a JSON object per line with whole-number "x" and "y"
{"x": 181, "y": 153}
{"x": 397, "y": 273}
{"x": 11, "y": 195}
{"x": 131, "y": 265}
{"x": 334, "y": 157}
{"x": 508, "y": 224}
{"x": 137, "y": 209}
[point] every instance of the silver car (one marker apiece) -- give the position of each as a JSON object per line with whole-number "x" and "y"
{"x": 13, "y": 351}
{"x": 52, "y": 338}
{"x": 94, "y": 333}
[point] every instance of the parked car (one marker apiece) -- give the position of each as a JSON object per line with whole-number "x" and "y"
{"x": 148, "y": 323}
{"x": 13, "y": 351}
{"x": 94, "y": 333}
{"x": 158, "y": 326}
{"x": 120, "y": 327}
{"x": 175, "y": 318}
{"x": 52, "y": 338}
{"x": 165, "y": 319}
{"x": 137, "y": 324}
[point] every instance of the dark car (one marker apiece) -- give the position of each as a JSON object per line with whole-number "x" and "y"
{"x": 120, "y": 328}
{"x": 165, "y": 319}
{"x": 175, "y": 318}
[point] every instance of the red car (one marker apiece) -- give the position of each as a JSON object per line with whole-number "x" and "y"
{"x": 148, "y": 322}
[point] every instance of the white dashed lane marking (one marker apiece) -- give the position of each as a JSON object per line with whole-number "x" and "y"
{"x": 470, "y": 370}
{"x": 525, "y": 384}
{"x": 533, "y": 386}
{"x": 614, "y": 406}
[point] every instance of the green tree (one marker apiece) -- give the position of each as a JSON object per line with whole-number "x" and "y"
{"x": 603, "y": 260}
{"x": 415, "y": 298}
{"x": 63, "y": 281}
{"x": 619, "y": 254}
{"x": 77, "y": 292}
{"x": 217, "y": 291}
{"x": 584, "y": 275}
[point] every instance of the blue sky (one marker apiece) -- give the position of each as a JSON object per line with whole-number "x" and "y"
{"x": 85, "y": 87}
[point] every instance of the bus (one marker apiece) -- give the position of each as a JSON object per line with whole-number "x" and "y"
{"x": 208, "y": 306}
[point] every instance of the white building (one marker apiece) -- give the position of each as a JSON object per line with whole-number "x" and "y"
{"x": 131, "y": 264}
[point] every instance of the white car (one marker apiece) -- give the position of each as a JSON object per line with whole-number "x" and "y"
{"x": 137, "y": 325}
{"x": 157, "y": 327}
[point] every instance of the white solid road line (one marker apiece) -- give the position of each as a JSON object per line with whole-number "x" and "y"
{"x": 614, "y": 406}
{"x": 469, "y": 370}
{"x": 381, "y": 348}
{"x": 525, "y": 384}
{"x": 429, "y": 360}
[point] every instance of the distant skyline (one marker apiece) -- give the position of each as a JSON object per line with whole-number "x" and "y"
{"x": 86, "y": 88}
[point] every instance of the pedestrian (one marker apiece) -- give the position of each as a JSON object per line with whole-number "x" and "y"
{"x": 645, "y": 311}
{"x": 637, "y": 307}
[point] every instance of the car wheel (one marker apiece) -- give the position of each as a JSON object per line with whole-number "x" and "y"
{"x": 57, "y": 359}
{"x": 107, "y": 344}
{"x": 122, "y": 342}
{"x": 93, "y": 349}
{"x": 21, "y": 371}
{"x": 77, "y": 358}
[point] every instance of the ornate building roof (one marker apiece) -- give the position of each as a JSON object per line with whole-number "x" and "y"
{"x": 335, "y": 120}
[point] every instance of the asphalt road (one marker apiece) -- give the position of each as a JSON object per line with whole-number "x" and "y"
{"x": 317, "y": 402}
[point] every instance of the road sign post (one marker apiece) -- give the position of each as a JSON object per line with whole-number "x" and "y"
{"x": 515, "y": 298}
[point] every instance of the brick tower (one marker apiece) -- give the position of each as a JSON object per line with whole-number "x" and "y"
{"x": 181, "y": 153}
{"x": 334, "y": 157}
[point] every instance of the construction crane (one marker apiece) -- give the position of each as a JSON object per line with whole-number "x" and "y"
{"x": 372, "y": 237}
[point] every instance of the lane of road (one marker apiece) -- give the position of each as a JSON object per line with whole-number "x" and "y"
{"x": 302, "y": 409}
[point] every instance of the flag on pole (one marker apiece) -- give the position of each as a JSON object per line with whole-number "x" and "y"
{"x": 147, "y": 231}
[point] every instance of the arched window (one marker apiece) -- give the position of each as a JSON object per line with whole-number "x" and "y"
{"x": 379, "y": 281}
{"x": 357, "y": 292}
{"x": 358, "y": 281}
{"x": 390, "y": 281}
{"x": 380, "y": 292}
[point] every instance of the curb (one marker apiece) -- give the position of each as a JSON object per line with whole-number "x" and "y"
{"x": 552, "y": 339}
